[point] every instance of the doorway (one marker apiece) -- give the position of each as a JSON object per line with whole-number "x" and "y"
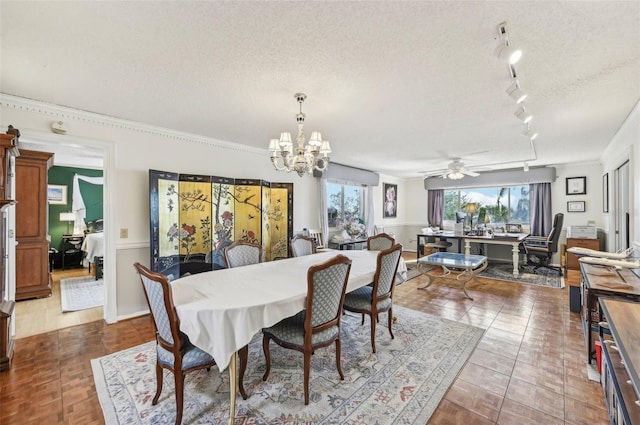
{"x": 622, "y": 215}
{"x": 45, "y": 314}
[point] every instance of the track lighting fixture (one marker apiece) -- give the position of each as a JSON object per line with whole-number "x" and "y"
{"x": 523, "y": 115}
{"x": 516, "y": 93}
{"x": 506, "y": 51}
{"x": 530, "y": 133}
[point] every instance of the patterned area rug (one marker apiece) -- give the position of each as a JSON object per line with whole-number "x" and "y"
{"x": 412, "y": 271}
{"x": 80, "y": 293}
{"x": 543, "y": 277}
{"x": 401, "y": 384}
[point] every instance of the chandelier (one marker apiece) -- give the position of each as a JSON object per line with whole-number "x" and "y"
{"x": 307, "y": 156}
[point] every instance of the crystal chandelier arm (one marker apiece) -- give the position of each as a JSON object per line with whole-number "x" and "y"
{"x": 303, "y": 158}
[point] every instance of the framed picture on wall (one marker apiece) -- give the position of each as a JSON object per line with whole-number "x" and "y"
{"x": 576, "y": 206}
{"x": 390, "y": 200}
{"x": 576, "y": 185}
{"x": 605, "y": 192}
{"x": 57, "y": 194}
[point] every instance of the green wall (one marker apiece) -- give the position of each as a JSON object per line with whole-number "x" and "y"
{"x": 91, "y": 194}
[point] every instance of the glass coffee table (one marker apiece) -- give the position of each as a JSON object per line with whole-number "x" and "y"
{"x": 449, "y": 265}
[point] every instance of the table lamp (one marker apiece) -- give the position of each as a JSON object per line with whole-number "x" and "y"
{"x": 68, "y": 217}
{"x": 471, "y": 209}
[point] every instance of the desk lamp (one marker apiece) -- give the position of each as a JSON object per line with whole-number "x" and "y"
{"x": 471, "y": 209}
{"x": 68, "y": 217}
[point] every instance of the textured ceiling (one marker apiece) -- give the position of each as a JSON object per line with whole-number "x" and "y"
{"x": 397, "y": 87}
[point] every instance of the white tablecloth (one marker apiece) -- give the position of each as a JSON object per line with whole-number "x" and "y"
{"x": 222, "y": 310}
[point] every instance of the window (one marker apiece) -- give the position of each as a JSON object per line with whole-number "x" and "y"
{"x": 498, "y": 205}
{"x": 344, "y": 202}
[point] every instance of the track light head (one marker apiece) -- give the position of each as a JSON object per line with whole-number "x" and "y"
{"x": 523, "y": 115}
{"x": 509, "y": 54}
{"x": 530, "y": 133}
{"x": 516, "y": 93}
{"x": 506, "y": 52}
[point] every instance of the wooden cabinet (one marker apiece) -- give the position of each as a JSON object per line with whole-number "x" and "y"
{"x": 621, "y": 362}
{"x": 8, "y": 150}
{"x": 572, "y": 260}
{"x": 33, "y": 279}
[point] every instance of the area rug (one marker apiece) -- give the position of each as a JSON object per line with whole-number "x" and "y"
{"x": 80, "y": 293}
{"x": 401, "y": 384}
{"x": 412, "y": 271}
{"x": 543, "y": 277}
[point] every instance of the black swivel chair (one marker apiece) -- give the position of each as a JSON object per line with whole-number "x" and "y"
{"x": 539, "y": 249}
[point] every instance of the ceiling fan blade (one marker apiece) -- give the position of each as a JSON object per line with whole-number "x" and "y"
{"x": 470, "y": 173}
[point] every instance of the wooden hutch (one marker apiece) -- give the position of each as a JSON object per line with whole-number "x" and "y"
{"x": 8, "y": 152}
{"x": 33, "y": 278}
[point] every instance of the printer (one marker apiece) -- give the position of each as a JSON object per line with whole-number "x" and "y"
{"x": 582, "y": 232}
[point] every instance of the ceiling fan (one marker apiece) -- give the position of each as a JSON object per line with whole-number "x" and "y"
{"x": 455, "y": 171}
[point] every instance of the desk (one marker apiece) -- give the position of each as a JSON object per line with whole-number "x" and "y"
{"x": 350, "y": 244}
{"x": 451, "y": 263}
{"x": 443, "y": 235}
{"x": 621, "y": 365}
{"x": 513, "y": 239}
{"x": 222, "y": 310}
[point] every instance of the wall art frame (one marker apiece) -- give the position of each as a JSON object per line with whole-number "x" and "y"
{"x": 57, "y": 194}
{"x": 389, "y": 200}
{"x": 605, "y": 193}
{"x": 576, "y": 206}
{"x": 576, "y": 185}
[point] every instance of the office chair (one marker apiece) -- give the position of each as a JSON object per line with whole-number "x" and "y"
{"x": 539, "y": 249}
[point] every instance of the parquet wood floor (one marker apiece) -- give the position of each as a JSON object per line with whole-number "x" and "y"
{"x": 527, "y": 369}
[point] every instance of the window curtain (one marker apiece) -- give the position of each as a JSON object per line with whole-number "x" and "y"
{"x": 324, "y": 223}
{"x": 435, "y": 207}
{"x": 540, "y": 209}
{"x": 77, "y": 204}
{"x": 369, "y": 214}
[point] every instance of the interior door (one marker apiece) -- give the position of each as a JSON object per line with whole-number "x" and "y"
{"x": 621, "y": 201}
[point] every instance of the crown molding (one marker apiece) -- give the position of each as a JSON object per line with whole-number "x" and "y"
{"x": 61, "y": 113}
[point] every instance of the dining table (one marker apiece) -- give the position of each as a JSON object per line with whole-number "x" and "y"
{"x": 221, "y": 311}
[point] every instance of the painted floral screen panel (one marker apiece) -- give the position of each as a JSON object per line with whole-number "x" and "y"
{"x": 223, "y": 211}
{"x": 164, "y": 218}
{"x": 194, "y": 200}
{"x": 193, "y": 218}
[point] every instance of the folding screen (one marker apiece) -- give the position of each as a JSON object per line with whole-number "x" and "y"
{"x": 193, "y": 218}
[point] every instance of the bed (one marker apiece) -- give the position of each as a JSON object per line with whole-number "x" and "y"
{"x": 93, "y": 246}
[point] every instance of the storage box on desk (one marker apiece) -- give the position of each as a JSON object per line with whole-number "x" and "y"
{"x": 582, "y": 232}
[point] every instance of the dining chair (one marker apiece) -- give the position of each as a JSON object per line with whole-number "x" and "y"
{"x": 380, "y": 242}
{"x": 378, "y": 298}
{"x": 317, "y": 235}
{"x": 174, "y": 351}
{"x": 302, "y": 245}
{"x": 241, "y": 253}
{"x": 318, "y": 325}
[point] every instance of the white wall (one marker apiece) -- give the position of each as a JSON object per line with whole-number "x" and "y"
{"x": 624, "y": 146}
{"x": 136, "y": 149}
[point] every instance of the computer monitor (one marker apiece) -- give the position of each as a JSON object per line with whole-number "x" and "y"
{"x": 460, "y": 216}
